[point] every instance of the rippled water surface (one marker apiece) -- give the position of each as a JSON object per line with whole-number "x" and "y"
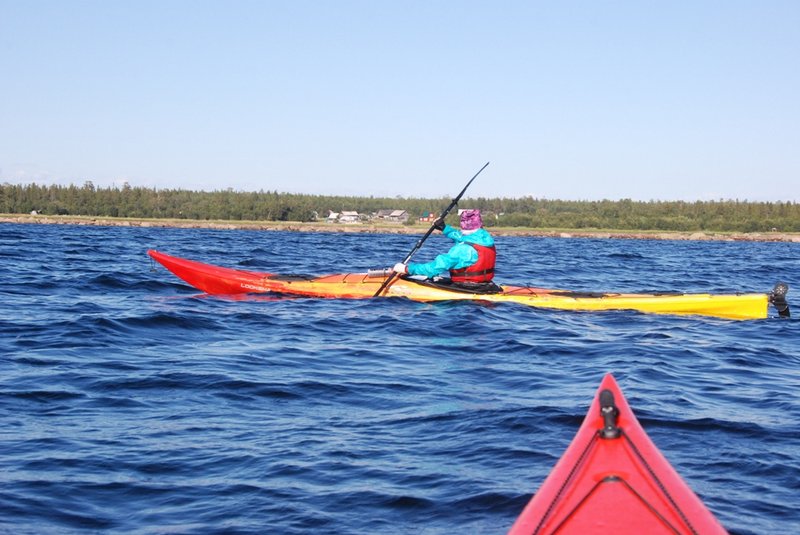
{"x": 131, "y": 404}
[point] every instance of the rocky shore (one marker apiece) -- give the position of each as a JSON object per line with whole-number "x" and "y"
{"x": 395, "y": 229}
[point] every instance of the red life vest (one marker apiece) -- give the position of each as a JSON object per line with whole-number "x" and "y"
{"x": 480, "y": 271}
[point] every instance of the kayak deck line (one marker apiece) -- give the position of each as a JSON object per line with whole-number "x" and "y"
{"x": 217, "y": 280}
{"x": 613, "y": 479}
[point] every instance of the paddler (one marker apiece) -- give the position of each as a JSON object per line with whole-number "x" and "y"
{"x": 470, "y": 261}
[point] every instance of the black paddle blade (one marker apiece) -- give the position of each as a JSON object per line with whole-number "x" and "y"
{"x": 610, "y": 413}
{"x": 778, "y": 299}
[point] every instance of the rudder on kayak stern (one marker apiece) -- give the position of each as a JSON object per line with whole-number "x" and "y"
{"x": 778, "y": 299}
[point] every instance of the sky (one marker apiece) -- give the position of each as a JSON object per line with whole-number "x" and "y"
{"x": 575, "y": 100}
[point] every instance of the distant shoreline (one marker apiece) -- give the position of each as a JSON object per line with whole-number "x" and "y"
{"x": 366, "y": 228}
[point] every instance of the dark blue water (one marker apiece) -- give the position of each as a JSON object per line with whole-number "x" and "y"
{"x": 131, "y": 404}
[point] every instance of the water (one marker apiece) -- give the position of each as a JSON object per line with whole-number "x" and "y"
{"x": 131, "y": 404}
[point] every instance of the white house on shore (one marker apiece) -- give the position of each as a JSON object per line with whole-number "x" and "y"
{"x": 348, "y": 218}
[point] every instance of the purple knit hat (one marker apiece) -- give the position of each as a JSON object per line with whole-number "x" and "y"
{"x": 471, "y": 220}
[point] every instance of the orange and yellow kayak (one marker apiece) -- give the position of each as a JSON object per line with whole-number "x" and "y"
{"x": 613, "y": 479}
{"x": 221, "y": 280}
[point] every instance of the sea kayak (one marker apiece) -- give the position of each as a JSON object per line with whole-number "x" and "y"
{"x": 222, "y": 280}
{"x": 613, "y": 479}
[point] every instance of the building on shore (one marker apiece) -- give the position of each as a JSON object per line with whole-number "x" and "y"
{"x": 428, "y": 217}
{"x": 395, "y": 216}
{"x": 349, "y": 218}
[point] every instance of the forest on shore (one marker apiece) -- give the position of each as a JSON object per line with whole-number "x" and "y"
{"x": 528, "y": 212}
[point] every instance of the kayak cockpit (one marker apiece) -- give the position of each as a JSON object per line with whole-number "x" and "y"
{"x": 478, "y": 288}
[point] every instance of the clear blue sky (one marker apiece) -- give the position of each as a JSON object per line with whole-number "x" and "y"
{"x": 688, "y": 99}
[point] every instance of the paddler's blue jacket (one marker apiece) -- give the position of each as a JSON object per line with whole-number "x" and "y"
{"x": 459, "y": 256}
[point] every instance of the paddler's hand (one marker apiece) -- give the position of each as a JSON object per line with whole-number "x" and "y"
{"x": 400, "y": 268}
{"x": 439, "y": 224}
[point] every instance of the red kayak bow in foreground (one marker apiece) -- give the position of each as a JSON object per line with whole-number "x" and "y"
{"x": 613, "y": 479}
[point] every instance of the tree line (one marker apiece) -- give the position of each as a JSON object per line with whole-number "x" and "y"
{"x": 139, "y": 202}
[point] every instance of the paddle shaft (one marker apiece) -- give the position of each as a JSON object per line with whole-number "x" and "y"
{"x": 417, "y": 247}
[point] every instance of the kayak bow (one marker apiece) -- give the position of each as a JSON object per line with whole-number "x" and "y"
{"x": 220, "y": 280}
{"x": 613, "y": 479}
